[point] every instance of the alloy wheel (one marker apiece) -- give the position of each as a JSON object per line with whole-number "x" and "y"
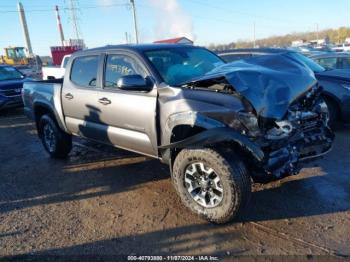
{"x": 203, "y": 185}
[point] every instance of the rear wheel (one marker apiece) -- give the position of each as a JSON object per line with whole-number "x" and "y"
{"x": 214, "y": 185}
{"x": 57, "y": 143}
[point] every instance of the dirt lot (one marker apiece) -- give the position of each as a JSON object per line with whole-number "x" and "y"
{"x": 107, "y": 201}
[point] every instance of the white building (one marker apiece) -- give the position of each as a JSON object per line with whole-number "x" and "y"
{"x": 298, "y": 43}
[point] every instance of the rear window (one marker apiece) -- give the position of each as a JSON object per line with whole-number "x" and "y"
{"x": 65, "y": 61}
{"x": 84, "y": 71}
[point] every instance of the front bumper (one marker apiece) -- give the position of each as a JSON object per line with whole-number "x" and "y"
{"x": 10, "y": 101}
{"x": 300, "y": 147}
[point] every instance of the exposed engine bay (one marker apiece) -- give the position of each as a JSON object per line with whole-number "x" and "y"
{"x": 303, "y": 134}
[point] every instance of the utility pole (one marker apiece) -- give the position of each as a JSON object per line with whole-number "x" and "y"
{"x": 132, "y": 2}
{"x": 126, "y": 38}
{"x": 22, "y": 18}
{"x": 254, "y": 39}
{"x": 317, "y": 31}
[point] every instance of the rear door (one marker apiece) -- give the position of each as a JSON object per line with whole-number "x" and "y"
{"x": 129, "y": 115}
{"x": 80, "y": 97}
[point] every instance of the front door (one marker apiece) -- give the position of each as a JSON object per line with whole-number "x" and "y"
{"x": 129, "y": 115}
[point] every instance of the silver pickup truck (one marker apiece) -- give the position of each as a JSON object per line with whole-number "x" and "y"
{"x": 218, "y": 126}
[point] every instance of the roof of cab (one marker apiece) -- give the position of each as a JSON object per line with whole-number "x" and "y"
{"x": 137, "y": 47}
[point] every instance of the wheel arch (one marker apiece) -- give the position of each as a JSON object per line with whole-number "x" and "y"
{"x": 42, "y": 108}
{"x": 198, "y": 136}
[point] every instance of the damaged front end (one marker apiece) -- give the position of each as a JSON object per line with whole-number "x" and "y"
{"x": 301, "y": 135}
{"x": 284, "y": 116}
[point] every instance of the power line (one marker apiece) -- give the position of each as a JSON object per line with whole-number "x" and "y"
{"x": 66, "y": 8}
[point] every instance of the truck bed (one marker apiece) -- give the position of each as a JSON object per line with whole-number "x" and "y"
{"x": 43, "y": 93}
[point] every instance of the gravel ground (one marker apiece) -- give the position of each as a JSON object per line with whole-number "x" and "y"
{"x": 105, "y": 201}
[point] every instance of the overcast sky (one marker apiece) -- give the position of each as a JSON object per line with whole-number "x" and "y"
{"x": 206, "y": 21}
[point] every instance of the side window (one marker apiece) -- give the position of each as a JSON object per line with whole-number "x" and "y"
{"x": 84, "y": 71}
{"x": 344, "y": 63}
{"x": 118, "y": 66}
{"x": 328, "y": 63}
{"x": 235, "y": 57}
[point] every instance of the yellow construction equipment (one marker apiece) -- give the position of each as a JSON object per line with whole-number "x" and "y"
{"x": 14, "y": 56}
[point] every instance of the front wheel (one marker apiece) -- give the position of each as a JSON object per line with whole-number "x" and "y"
{"x": 214, "y": 185}
{"x": 57, "y": 143}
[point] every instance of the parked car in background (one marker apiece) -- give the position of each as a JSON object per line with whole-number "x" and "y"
{"x": 334, "y": 60}
{"x": 345, "y": 47}
{"x": 55, "y": 72}
{"x": 335, "y": 83}
{"x": 30, "y": 71}
{"x": 309, "y": 50}
{"x": 216, "y": 125}
{"x": 11, "y": 83}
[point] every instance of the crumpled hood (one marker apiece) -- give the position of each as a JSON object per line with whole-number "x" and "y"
{"x": 270, "y": 83}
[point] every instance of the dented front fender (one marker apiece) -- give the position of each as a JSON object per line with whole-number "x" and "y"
{"x": 216, "y": 135}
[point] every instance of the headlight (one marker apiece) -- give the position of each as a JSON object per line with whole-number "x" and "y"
{"x": 250, "y": 122}
{"x": 346, "y": 86}
{"x": 282, "y": 130}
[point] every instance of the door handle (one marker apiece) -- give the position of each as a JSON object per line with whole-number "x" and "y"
{"x": 69, "y": 96}
{"x": 104, "y": 101}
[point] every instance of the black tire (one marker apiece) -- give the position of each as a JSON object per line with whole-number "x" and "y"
{"x": 235, "y": 181}
{"x": 333, "y": 112}
{"x": 61, "y": 142}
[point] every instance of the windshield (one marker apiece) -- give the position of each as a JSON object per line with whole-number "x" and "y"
{"x": 9, "y": 73}
{"x": 307, "y": 61}
{"x": 179, "y": 65}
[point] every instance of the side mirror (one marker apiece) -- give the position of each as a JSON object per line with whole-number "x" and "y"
{"x": 135, "y": 83}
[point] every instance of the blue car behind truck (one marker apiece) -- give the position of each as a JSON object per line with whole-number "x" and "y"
{"x": 335, "y": 83}
{"x": 11, "y": 83}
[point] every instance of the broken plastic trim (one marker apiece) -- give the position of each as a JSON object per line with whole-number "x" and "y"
{"x": 216, "y": 135}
